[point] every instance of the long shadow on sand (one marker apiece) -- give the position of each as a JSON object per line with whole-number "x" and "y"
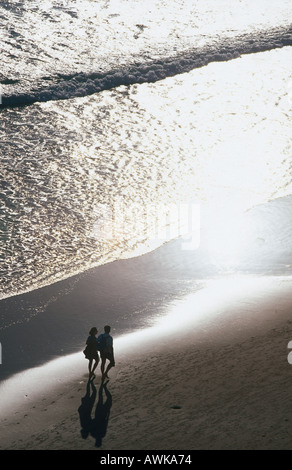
{"x": 97, "y": 426}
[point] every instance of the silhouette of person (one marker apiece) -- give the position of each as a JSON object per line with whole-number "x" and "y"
{"x": 102, "y": 412}
{"x": 106, "y": 351}
{"x": 91, "y": 352}
{"x": 85, "y": 409}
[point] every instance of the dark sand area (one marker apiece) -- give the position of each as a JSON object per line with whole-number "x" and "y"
{"x": 212, "y": 374}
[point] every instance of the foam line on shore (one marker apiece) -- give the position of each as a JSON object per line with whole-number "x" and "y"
{"x": 84, "y": 84}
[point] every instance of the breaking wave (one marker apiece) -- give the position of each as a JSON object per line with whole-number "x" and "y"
{"x": 64, "y": 86}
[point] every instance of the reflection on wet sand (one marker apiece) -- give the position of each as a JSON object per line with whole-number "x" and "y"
{"x": 96, "y": 426}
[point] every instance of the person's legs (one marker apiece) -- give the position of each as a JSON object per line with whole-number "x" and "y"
{"x": 103, "y": 359}
{"x": 89, "y": 366}
{"x": 110, "y": 365}
{"x": 104, "y": 373}
{"x": 94, "y": 366}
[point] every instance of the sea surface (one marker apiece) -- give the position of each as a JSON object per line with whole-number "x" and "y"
{"x": 125, "y": 124}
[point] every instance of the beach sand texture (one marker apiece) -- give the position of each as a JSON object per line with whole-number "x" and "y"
{"x": 213, "y": 374}
{"x": 201, "y": 336}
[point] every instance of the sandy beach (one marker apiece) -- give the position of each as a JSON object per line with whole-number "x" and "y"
{"x": 145, "y": 184}
{"x": 213, "y": 373}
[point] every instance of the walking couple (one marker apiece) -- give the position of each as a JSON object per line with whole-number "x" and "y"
{"x": 102, "y": 344}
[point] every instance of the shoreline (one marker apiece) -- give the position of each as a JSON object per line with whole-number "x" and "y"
{"x": 219, "y": 379}
{"x": 130, "y": 293}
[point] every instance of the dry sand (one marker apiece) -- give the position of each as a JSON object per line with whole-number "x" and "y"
{"x": 213, "y": 374}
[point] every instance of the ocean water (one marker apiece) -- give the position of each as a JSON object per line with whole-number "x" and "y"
{"x": 127, "y": 123}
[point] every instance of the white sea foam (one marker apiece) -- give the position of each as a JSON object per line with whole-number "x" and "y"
{"x": 217, "y": 136}
{"x": 181, "y": 140}
{"x": 54, "y": 50}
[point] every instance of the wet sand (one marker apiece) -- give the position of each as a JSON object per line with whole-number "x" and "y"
{"x": 212, "y": 374}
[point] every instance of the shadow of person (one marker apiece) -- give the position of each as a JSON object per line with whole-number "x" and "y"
{"x": 102, "y": 412}
{"x": 85, "y": 409}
